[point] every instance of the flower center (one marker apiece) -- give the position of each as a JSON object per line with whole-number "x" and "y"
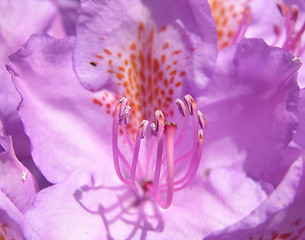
{"x": 158, "y": 178}
{"x": 147, "y": 70}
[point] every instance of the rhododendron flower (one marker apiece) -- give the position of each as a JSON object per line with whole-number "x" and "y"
{"x": 148, "y": 169}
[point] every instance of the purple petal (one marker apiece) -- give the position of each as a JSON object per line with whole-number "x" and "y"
{"x": 68, "y": 129}
{"x": 280, "y": 216}
{"x": 69, "y": 13}
{"x": 299, "y": 137}
{"x": 220, "y": 198}
{"x": 18, "y": 20}
{"x": 12, "y": 223}
{"x": 150, "y": 35}
{"x": 63, "y": 211}
{"x": 16, "y": 182}
{"x": 95, "y": 211}
{"x": 251, "y": 107}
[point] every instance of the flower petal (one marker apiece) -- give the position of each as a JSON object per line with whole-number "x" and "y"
{"x": 299, "y": 137}
{"x": 16, "y": 182}
{"x": 12, "y": 223}
{"x": 218, "y": 199}
{"x": 153, "y": 36}
{"x": 280, "y": 216}
{"x": 59, "y": 212}
{"x": 251, "y": 106}
{"x": 70, "y": 130}
{"x": 18, "y": 20}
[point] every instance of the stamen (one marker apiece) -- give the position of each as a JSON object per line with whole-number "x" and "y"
{"x": 160, "y": 128}
{"x": 127, "y": 137}
{"x": 192, "y": 108}
{"x": 189, "y": 103}
{"x": 119, "y": 115}
{"x": 292, "y": 41}
{"x": 164, "y": 165}
{"x": 202, "y": 120}
{"x": 140, "y": 135}
{"x": 159, "y": 123}
{"x": 243, "y": 26}
{"x": 170, "y": 130}
{"x": 195, "y": 164}
{"x": 181, "y": 107}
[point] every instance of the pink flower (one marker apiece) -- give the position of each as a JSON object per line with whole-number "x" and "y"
{"x": 110, "y": 182}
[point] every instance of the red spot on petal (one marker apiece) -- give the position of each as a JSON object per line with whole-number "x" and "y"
{"x": 182, "y": 74}
{"x": 120, "y": 76}
{"x": 166, "y": 45}
{"x": 98, "y": 102}
{"x": 110, "y": 63}
{"x": 99, "y": 56}
{"x": 176, "y": 52}
{"x": 133, "y": 46}
{"x": 163, "y": 58}
{"x": 178, "y": 84}
{"x": 156, "y": 65}
{"x": 173, "y": 72}
{"x": 107, "y": 51}
{"x": 121, "y": 68}
{"x": 163, "y": 29}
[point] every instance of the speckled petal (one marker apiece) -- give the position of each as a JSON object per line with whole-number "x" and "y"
{"x": 67, "y": 127}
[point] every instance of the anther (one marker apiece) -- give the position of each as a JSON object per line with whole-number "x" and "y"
{"x": 127, "y": 114}
{"x": 282, "y": 8}
{"x": 159, "y": 126}
{"x": 181, "y": 107}
{"x": 143, "y": 126}
{"x": 122, "y": 103}
{"x": 202, "y": 120}
{"x": 295, "y": 13}
{"x": 189, "y": 103}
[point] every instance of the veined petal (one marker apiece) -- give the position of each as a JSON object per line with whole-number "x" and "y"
{"x": 56, "y": 214}
{"x": 251, "y": 105}
{"x": 281, "y": 216}
{"x": 99, "y": 210}
{"x": 299, "y": 137}
{"x": 12, "y": 222}
{"x": 216, "y": 199}
{"x": 69, "y": 131}
{"x": 232, "y": 18}
{"x": 18, "y": 20}
{"x": 144, "y": 44}
{"x": 16, "y": 182}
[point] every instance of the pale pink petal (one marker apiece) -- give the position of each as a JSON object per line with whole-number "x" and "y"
{"x": 68, "y": 129}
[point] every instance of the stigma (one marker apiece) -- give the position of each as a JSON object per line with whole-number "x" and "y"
{"x": 150, "y": 165}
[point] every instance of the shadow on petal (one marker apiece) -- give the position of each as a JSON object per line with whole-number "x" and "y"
{"x": 124, "y": 212}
